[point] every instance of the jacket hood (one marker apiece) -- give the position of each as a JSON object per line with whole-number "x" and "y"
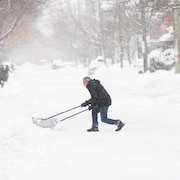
{"x": 93, "y": 81}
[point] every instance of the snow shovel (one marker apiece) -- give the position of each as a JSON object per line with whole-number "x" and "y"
{"x": 51, "y": 122}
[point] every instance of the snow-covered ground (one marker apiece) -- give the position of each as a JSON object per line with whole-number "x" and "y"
{"x": 147, "y": 148}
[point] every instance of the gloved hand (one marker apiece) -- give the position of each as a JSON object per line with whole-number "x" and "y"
{"x": 84, "y": 104}
{"x": 89, "y": 107}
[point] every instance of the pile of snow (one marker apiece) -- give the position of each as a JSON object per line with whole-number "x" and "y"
{"x": 58, "y": 63}
{"x": 96, "y": 64}
{"x": 167, "y": 37}
{"x": 146, "y": 148}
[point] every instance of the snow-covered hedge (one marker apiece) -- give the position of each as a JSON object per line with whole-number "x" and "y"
{"x": 161, "y": 60}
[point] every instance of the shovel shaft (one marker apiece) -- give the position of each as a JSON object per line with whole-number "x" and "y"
{"x": 62, "y": 112}
{"x": 73, "y": 115}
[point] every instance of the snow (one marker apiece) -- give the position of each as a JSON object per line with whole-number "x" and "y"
{"x": 148, "y": 146}
{"x": 166, "y": 37}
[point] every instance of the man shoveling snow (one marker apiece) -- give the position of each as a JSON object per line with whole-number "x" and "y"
{"x": 99, "y": 103}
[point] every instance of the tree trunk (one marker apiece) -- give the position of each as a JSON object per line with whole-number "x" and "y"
{"x": 177, "y": 35}
{"x": 144, "y": 43}
{"x": 101, "y": 30}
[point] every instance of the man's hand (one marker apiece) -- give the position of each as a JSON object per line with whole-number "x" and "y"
{"x": 84, "y": 104}
{"x": 89, "y": 107}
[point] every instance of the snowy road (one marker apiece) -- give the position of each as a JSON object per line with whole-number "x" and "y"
{"x": 147, "y": 148}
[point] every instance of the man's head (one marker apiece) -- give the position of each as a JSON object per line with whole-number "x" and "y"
{"x": 86, "y": 80}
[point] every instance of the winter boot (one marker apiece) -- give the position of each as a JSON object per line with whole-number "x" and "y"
{"x": 93, "y": 129}
{"x": 120, "y": 125}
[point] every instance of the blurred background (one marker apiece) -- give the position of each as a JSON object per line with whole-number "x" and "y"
{"x": 137, "y": 33}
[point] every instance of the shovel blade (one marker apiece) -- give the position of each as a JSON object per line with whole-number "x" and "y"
{"x": 45, "y": 123}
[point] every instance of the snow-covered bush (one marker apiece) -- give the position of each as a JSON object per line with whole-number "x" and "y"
{"x": 168, "y": 58}
{"x": 161, "y": 60}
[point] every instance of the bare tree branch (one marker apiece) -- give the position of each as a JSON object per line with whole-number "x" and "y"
{"x": 14, "y": 23}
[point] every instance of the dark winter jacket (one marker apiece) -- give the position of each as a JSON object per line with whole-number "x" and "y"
{"x": 99, "y": 96}
{"x": 6, "y": 70}
{"x": 2, "y": 74}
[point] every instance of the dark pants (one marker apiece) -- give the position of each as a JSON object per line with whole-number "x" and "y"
{"x": 1, "y": 82}
{"x": 103, "y": 113}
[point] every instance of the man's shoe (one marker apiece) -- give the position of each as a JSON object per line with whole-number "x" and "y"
{"x": 93, "y": 129}
{"x": 120, "y": 125}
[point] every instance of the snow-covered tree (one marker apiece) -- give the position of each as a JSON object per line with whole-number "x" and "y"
{"x": 16, "y": 16}
{"x": 142, "y": 14}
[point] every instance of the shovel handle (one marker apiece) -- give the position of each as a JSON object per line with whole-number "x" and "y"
{"x": 74, "y": 114}
{"x": 61, "y": 113}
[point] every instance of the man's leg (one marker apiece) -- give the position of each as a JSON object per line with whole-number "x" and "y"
{"x": 105, "y": 119}
{"x": 1, "y": 82}
{"x": 95, "y": 111}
